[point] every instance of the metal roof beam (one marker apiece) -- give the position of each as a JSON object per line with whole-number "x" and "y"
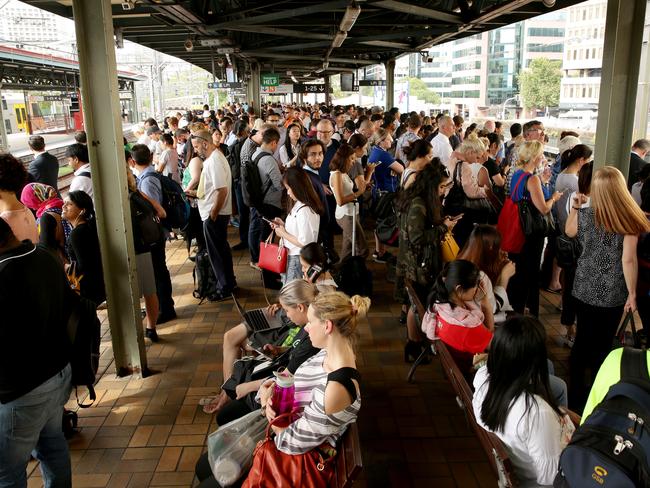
{"x": 272, "y": 31}
{"x": 286, "y": 14}
{"x": 418, "y": 11}
{"x": 263, "y": 54}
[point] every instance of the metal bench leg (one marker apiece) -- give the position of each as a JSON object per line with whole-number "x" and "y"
{"x": 423, "y": 355}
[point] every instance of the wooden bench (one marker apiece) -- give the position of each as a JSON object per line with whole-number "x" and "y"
{"x": 348, "y": 459}
{"x": 496, "y": 451}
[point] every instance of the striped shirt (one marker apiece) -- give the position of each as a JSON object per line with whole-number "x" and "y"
{"x": 314, "y": 427}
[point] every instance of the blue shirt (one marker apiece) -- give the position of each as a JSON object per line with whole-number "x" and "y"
{"x": 324, "y": 170}
{"x": 150, "y": 185}
{"x": 382, "y": 175}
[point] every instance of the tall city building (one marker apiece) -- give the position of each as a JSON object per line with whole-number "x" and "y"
{"x": 31, "y": 28}
{"x": 583, "y": 56}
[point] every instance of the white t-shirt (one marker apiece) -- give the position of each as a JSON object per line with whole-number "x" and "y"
{"x": 302, "y": 223}
{"x": 170, "y": 159}
{"x": 81, "y": 181}
{"x": 348, "y": 208}
{"x": 534, "y": 438}
{"x": 442, "y": 149}
{"x": 144, "y": 139}
{"x": 215, "y": 174}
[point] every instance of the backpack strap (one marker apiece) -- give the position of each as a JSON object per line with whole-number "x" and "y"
{"x": 256, "y": 161}
{"x": 85, "y": 173}
{"x": 634, "y": 367}
{"x": 344, "y": 376}
{"x": 521, "y": 177}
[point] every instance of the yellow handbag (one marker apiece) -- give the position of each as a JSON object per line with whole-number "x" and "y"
{"x": 449, "y": 248}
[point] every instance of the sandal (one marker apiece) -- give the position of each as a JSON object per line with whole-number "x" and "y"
{"x": 207, "y": 400}
{"x": 211, "y": 408}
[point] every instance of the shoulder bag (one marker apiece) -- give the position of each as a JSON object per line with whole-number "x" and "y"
{"x": 273, "y": 257}
{"x": 272, "y": 468}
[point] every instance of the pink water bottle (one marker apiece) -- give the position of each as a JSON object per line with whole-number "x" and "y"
{"x": 283, "y": 392}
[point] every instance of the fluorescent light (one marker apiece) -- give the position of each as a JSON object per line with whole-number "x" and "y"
{"x": 351, "y": 15}
{"x": 293, "y": 78}
{"x": 339, "y": 38}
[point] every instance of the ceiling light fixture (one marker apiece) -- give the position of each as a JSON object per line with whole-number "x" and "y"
{"x": 189, "y": 45}
{"x": 350, "y": 17}
{"x": 339, "y": 38}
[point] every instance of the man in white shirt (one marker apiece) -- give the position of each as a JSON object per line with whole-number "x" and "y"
{"x": 215, "y": 207}
{"x": 155, "y": 146}
{"x": 77, "y": 156}
{"x": 441, "y": 146}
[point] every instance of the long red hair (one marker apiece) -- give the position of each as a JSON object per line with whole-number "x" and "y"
{"x": 483, "y": 248}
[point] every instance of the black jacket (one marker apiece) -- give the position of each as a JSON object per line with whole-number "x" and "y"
{"x": 35, "y": 300}
{"x": 636, "y": 163}
{"x": 45, "y": 169}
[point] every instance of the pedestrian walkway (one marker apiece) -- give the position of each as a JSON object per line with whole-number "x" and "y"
{"x": 150, "y": 432}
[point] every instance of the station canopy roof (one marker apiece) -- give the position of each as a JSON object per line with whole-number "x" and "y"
{"x": 309, "y": 38}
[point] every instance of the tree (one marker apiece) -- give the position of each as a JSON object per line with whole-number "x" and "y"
{"x": 420, "y": 90}
{"x": 539, "y": 85}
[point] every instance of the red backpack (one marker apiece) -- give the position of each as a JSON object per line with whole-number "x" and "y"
{"x": 509, "y": 225}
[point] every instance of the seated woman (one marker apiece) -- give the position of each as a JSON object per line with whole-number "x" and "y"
{"x": 294, "y": 298}
{"x": 483, "y": 248}
{"x": 315, "y": 269}
{"x": 327, "y": 396}
{"x": 456, "y": 314}
{"x": 83, "y": 245}
{"x": 53, "y": 230}
{"x": 513, "y": 399}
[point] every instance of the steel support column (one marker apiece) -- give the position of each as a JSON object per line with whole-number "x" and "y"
{"x": 619, "y": 82}
{"x": 4, "y": 141}
{"x": 94, "y": 31}
{"x": 390, "y": 84}
{"x": 255, "y": 88}
{"x": 328, "y": 96}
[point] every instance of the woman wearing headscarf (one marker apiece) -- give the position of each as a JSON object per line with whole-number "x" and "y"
{"x": 53, "y": 230}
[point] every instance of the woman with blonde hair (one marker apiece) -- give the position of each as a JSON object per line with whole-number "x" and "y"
{"x": 606, "y": 275}
{"x": 471, "y": 181}
{"x": 523, "y": 289}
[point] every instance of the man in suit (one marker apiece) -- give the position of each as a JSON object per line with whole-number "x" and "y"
{"x": 640, "y": 150}
{"x": 45, "y": 167}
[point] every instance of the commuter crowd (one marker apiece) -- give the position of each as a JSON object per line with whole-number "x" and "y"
{"x": 476, "y": 223}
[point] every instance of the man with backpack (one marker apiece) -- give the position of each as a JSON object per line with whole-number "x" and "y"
{"x": 215, "y": 207}
{"x": 150, "y": 184}
{"x": 241, "y": 131}
{"x": 262, "y": 188}
{"x": 35, "y": 374}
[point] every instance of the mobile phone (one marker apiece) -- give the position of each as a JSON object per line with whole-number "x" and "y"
{"x": 456, "y": 217}
{"x": 314, "y": 272}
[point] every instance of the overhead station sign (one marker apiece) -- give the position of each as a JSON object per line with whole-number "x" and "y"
{"x": 225, "y": 84}
{"x": 372, "y": 82}
{"x": 284, "y": 89}
{"x": 310, "y": 88}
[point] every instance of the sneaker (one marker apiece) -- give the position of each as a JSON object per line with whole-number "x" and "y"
{"x": 234, "y": 221}
{"x": 151, "y": 334}
{"x": 220, "y": 296}
{"x": 254, "y": 266}
{"x": 381, "y": 258}
{"x": 240, "y": 247}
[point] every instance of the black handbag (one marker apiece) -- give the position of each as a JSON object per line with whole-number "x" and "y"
{"x": 458, "y": 202}
{"x": 567, "y": 251}
{"x": 533, "y": 223}
{"x": 622, "y": 338}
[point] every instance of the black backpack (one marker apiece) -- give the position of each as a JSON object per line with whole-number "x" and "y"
{"x": 174, "y": 201}
{"x": 252, "y": 190}
{"x": 205, "y": 283}
{"x": 84, "y": 335}
{"x": 147, "y": 230}
{"x": 234, "y": 159}
{"x": 612, "y": 447}
{"x": 387, "y": 222}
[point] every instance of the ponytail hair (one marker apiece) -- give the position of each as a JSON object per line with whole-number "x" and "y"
{"x": 572, "y": 155}
{"x": 344, "y": 312}
{"x": 458, "y": 273}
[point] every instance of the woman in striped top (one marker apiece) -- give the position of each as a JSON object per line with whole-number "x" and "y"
{"x": 327, "y": 385}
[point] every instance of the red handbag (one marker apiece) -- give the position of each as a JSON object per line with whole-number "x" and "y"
{"x": 273, "y": 257}
{"x": 509, "y": 224}
{"x": 274, "y": 469}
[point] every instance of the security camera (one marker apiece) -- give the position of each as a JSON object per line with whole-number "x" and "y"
{"x": 128, "y": 4}
{"x": 549, "y": 3}
{"x": 189, "y": 45}
{"x": 427, "y": 59}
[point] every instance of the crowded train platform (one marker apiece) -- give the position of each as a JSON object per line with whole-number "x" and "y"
{"x": 321, "y": 288}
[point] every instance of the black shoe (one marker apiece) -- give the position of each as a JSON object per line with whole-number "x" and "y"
{"x": 220, "y": 296}
{"x": 402, "y": 317}
{"x": 239, "y": 247}
{"x": 151, "y": 334}
{"x": 166, "y": 317}
{"x": 192, "y": 258}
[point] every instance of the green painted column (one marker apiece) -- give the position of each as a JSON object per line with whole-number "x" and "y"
{"x": 619, "y": 82}
{"x": 255, "y": 88}
{"x": 390, "y": 84}
{"x": 103, "y": 124}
